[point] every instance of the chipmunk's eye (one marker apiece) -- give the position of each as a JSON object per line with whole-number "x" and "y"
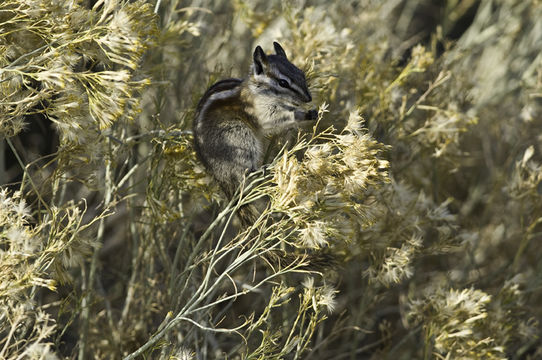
{"x": 284, "y": 83}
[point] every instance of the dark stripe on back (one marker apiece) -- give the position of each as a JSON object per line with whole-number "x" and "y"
{"x": 222, "y": 85}
{"x": 231, "y": 101}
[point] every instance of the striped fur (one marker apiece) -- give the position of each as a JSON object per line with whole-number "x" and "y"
{"x": 234, "y": 116}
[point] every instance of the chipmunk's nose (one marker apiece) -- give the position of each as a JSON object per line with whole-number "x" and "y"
{"x": 308, "y": 97}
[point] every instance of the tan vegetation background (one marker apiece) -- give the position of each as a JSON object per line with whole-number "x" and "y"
{"x": 419, "y": 189}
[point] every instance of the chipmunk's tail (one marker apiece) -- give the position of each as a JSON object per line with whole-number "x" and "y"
{"x": 314, "y": 260}
{"x": 248, "y": 214}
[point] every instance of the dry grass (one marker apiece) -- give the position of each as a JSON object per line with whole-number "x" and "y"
{"x": 419, "y": 188}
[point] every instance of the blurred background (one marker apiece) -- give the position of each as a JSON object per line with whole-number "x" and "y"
{"x": 104, "y": 201}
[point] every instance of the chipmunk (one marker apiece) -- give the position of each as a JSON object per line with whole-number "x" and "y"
{"x": 235, "y": 117}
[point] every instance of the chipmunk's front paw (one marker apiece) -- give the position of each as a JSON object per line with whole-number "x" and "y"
{"x": 306, "y": 115}
{"x": 311, "y": 114}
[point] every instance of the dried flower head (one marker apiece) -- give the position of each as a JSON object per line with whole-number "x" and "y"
{"x": 324, "y": 193}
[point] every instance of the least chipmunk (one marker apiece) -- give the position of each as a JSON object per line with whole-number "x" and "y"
{"x": 235, "y": 116}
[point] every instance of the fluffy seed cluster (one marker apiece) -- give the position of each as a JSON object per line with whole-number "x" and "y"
{"x": 327, "y": 193}
{"x": 455, "y": 318}
{"x": 319, "y": 296}
{"x": 76, "y": 67}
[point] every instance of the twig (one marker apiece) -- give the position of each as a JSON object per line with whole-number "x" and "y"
{"x": 25, "y": 171}
{"x": 85, "y": 313}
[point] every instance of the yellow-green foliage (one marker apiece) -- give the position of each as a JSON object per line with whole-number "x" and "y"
{"x": 405, "y": 224}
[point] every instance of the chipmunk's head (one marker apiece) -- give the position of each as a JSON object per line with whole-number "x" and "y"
{"x": 278, "y": 92}
{"x": 276, "y": 77}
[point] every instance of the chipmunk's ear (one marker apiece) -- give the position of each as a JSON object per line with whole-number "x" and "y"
{"x": 260, "y": 60}
{"x": 279, "y": 50}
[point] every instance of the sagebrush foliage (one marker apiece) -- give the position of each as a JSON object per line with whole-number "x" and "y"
{"x": 406, "y": 223}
